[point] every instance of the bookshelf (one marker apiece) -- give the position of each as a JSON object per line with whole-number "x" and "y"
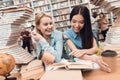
{"x": 6, "y": 3}
{"x": 59, "y": 9}
{"x": 110, "y": 16}
{"x": 41, "y": 6}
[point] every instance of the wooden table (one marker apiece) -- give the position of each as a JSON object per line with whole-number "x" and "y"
{"x": 77, "y": 75}
{"x": 101, "y": 75}
{"x": 62, "y": 74}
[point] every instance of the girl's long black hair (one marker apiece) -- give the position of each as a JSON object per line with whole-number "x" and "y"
{"x": 86, "y": 32}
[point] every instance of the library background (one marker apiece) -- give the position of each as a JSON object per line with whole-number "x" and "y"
{"x": 16, "y": 14}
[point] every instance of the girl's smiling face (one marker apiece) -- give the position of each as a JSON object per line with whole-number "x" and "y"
{"x": 77, "y": 22}
{"x": 45, "y": 25}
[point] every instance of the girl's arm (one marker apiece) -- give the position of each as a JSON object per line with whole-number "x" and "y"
{"x": 73, "y": 48}
{"x": 58, "y": 46}
{"x": 83, "y": 55}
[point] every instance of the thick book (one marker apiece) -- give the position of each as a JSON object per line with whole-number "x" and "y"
{"x": 78, "y": 64}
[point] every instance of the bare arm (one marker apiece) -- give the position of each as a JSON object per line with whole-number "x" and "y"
{"x": 72, "y": 47}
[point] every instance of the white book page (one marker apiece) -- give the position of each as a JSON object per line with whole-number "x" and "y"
{"x": 64, "y": 63}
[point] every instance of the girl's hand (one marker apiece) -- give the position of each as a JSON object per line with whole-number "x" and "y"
{"x": 78, "y": 53}
{"x": 104, "y": 66}
{"x": 36, "y": 36}
{"x": 48, "y": 58}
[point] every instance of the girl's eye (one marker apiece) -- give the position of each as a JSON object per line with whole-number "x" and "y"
{"x": 82, "y": 22}
{"x": 46, "y": 24}
{"x": 74, "y": 21}
{"x": 51, "y": 23}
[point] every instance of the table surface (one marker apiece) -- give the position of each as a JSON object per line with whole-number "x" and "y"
{"x": 73, "y": 74}
{"x": 62, "y": 74}
{"x": 102, "y": 75}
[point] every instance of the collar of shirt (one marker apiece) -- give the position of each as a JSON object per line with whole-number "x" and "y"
{"x": 74, "y": 34}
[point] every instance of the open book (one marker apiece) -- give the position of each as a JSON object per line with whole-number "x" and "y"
{"x": 78, "y": 64}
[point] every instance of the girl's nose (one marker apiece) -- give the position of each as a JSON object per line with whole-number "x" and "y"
{"x": 49, "y": 26}
{"x": 77, "y": 24}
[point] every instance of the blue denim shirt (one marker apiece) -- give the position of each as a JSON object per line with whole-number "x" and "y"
{"x": 76, "y": 39}
{"x": 55, "y": 47}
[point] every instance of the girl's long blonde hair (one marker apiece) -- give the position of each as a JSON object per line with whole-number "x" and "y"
{"x": 38, "y": 17}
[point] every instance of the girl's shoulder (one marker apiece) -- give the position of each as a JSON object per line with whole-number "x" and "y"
{"x": 68, "y": 31}
{"x": 56, "y": 33}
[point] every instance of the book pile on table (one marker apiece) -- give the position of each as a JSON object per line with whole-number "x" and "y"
{"x": 20, "y": 55}
{"x": 15, "y": 15}
{"x": 10, "y": 22}
{"x": 112, "y": 41}
{"x": 109, "y": 5}
{"x": 113, "y": 35}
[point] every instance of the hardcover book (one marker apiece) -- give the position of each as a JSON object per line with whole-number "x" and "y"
{"x": 77, "y": 65}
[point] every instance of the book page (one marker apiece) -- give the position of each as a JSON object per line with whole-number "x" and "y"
{"x": 78, "y": 64}
{"x": 59, "y": 65}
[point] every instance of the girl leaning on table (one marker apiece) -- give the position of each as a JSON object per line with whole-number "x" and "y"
{"x": 48, "y": 40}
{"x": 79, "y": 37}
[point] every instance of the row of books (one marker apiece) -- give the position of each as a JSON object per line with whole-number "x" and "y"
{"x": 6, "y": 3}
{"x": 63, "y": 24}
{"x": 55, "y": 4}
{"x": 16, "y": 2}
{"x": 61, "y": 18}
{"x": 61, "y": 12}
{"x": 73, "y": 2}
{"x": 43, "y": 1}
{"x": 59, "y": 5}
{"x": 25, "y": 4}
{"x": 21, "y": 1}
{"x": 40, "y": 3}
{"x": 55, "y": 1}
{"x": 42, "y": 9}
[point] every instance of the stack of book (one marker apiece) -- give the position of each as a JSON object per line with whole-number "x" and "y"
{"x": 10, "y": 29}
{"x": 20, "y": 55}
{"x": 10, "y": 23}
{"x": 15, "y": 15}
{"x": 8, "y": 35}
{"x": 110, "y": 5}
{"x": 112, "y": 41}
{"x": 113, "y": 35}
{"x": 117, "y": 22}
